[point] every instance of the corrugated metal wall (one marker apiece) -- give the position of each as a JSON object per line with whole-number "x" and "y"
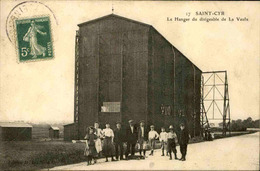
{"x": 54, "y": 133}
{"x": 173, "y": 81}
{"x": 187, "y": 82}
{"x": 161, "y": 80}
{"x": 88, "y": 76}
{"x": 118, "y": 55}
{"x": 113, "y": 56}
{"x": 69, "y": 132}
{"x": 16, "y": 134}
{"x": 135, "y": 81}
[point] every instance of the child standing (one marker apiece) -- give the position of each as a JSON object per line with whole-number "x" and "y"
{"x": 172, "y": 141}
{"x": 163, "y": 139}
{"x": 90, "y": 150}
{"x": 152, "y": 136}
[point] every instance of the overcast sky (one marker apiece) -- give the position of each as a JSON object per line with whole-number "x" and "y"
{"x": 43, "y": 91}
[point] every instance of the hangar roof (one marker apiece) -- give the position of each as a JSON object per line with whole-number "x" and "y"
{"x": 113, "y": 15}
{"x": 137, "y": 22}
{"x": 54, "y": 128}
{"x": 15, "y": 125}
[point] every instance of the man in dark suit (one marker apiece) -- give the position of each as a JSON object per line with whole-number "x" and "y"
{"x": 131, "y": 138}
{"x": 183, "y": 141}
{"x": 142, "y": 138}
{"x": 118, "y": 140}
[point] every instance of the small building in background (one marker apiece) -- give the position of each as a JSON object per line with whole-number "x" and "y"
{"x": 54, "y": 132}
{"x": 12, "y": 131}
{"x": 70, "y": 132}
{"x": 40, "y": 131}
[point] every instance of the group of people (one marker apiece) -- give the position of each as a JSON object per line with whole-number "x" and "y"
{"x": 110, "y": 142}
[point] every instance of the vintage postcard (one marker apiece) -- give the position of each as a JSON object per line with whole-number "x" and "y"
{"x": 129, "y": 85}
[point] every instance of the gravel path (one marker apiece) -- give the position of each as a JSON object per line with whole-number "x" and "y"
{"x": 241, "y": 152}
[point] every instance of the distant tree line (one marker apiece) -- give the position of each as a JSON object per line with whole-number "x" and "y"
{"x": 242, "y": 125}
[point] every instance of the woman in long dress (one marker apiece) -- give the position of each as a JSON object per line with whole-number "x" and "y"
{"x": 90, "y": 150}
{"x": 31, "y": 37}
{"x": 108, "y": 148}
{"x": 98, "y": 133}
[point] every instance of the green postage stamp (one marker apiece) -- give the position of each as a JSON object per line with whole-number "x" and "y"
{"x": 34, "y": 39}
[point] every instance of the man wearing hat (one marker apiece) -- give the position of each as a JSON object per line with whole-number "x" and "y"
{"x": 131, "y": 138}
{"x": 142, "y": 138}
{"x": 183, "y": 141}
{"x": 118, "y": 140}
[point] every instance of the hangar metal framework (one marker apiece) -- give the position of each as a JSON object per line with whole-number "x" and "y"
{"x": 215, "y": 97}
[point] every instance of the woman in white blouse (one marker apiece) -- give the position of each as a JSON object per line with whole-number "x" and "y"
{"x": 108, "y": 148}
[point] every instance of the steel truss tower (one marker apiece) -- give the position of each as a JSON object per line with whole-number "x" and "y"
{"x": 215, "y": 99}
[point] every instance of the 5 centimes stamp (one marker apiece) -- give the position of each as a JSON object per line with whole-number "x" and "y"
{"x": 34, "y": 39}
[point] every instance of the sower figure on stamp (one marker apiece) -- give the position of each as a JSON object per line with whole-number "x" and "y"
{"x": 172, "y": 141}
{"x": 31, "y": 37}
{"x": 183, "y": 141}
{"x": 118, "y": 140}
{"x": 142, "y": 138}
{"x": 131, "y": 138}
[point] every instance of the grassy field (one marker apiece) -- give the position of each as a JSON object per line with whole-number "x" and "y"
{"x": 34, "y": 155}
{"x": 38, "y": 155}
{"x": 219, "y": 134}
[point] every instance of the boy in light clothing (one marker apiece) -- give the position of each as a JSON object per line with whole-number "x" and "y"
{"x": 163, "y": 139}
{"x": 172, "y": 141}
{"x": 152, "y": 136}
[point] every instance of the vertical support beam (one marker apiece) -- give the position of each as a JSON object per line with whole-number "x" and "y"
{"x": 147, "y": 81}
{"x": 174, "y": 88}
{"x": 214, "y": 87}
{"x": 226, "y": 112}
{"x": 194, "y": 101}
{"x": 201, "y": 102}
{"x": 224, "y": 106}
{"x": 228, "y": 107}
{"x": 153, "y": 101}
{"x": 123, "y": 52}
{"x": 229, "y": 118}
{"x": 98, "y": 67}
{"x": 122, "y": 78}
{"x": 76, "y": 87}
